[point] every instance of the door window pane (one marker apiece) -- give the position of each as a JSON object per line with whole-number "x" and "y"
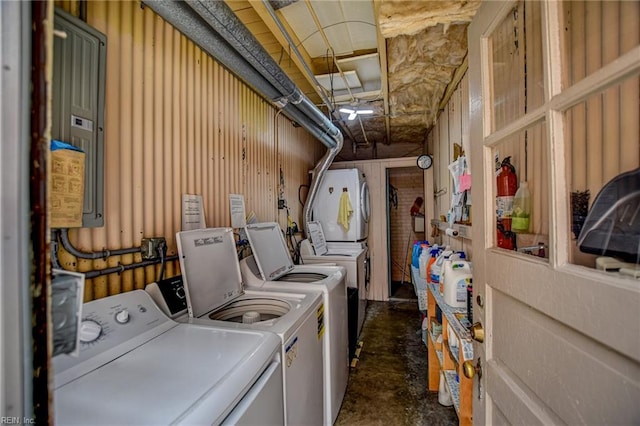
{"x": 522, "y": 226}
{"x": 595, "y": 34}
{"x": 516, "y": 65}
{"x": 602, "y": 139}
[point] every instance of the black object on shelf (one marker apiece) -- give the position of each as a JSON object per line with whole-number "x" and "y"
{"x": 612, "y": 227}
{"x": 470, "y": 303}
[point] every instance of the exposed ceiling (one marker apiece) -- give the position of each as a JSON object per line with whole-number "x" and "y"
{"x": 400, "y": 60}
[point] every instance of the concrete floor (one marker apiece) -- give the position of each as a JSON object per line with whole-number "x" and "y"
{"x": 389, "y": 384}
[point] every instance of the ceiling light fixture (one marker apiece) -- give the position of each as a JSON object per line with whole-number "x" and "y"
{"x": 355, "y": 112}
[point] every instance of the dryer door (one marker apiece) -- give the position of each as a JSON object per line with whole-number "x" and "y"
{"x": 365, "y": 210}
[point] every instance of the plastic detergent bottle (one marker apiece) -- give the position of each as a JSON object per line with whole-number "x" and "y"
{"x": 456, "y": 255}
{"x": 423, "y": 260}
{"x": 436, "y": 268}
{"x": 415, "y": 253}
{"x": 433, "y": 253}
{"x": 457, "y": 278}
{"x": 521, "y": 209}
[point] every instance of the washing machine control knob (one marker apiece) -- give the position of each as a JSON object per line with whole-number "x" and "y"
{"x": 89, "y": 331}
{"x": 122, "y": 317}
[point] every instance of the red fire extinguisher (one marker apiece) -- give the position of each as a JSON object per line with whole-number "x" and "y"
{"x": 507, "y": 186}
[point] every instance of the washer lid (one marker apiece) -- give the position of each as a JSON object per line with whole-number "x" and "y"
{"x": 269, "y": 250}
{"x": 316, "y": 235}
{"x": 210, "y": 268}
{"x": 191, "y": 374}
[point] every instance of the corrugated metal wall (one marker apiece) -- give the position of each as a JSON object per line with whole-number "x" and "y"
{"x": 604, "y": 131}
{"x": 177, "y": 122}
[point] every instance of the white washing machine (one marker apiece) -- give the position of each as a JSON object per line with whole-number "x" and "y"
{"x": 137, "y": 366}
{"x": 215, "y": 296}
{"x": 354, "y": 257}
{"x": 271, "y": 267}
{"x": 327, "y": 205}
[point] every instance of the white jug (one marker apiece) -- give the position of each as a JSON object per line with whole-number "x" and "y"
{"x": 456, "y": 279}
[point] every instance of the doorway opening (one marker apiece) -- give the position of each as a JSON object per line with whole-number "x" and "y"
{"x": 405, "y": 225}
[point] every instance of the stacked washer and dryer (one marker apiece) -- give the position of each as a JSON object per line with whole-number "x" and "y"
{"x": 330, "y": 242}
{"x": 327, "y": 204}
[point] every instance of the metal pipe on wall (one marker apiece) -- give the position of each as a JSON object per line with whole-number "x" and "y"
{"x": 225, "y": 22}
{"x": 309, "y": 72}
{"x": 121, "y": 268}
{"x": 66, "y": 243}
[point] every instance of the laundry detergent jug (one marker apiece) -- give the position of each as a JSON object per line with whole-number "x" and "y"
{"x": 433, "y": 255}
{"x": 458, "y": 255}
{"x": 423, "y": 260}
{"x": 436, "y": 268}
{"x": 457, "y": 278}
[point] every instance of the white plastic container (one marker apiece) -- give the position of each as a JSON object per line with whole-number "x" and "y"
{"x": 521, "y": 209}
{"x": 458, "y": 255}
{"x": 457, "y": 277}
{"x": 423, "y": 259}
{"x": 436, "y": 268}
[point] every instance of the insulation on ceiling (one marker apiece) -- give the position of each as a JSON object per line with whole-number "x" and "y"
{"x": 401, "y": 17}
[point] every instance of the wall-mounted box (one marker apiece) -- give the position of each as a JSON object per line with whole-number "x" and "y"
{"x": 79, "y": 67}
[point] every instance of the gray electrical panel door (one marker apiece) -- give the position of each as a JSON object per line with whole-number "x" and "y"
{"x": 79, "y": 66}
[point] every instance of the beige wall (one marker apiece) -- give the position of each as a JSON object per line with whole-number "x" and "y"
{"x": 177, "y": 122}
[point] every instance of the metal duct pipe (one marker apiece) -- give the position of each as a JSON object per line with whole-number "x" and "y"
{"x": 188, "y": 22}
{"x": 222, "y": 19}
{"x": 318, "y": 175}
{"x": 294, "y": 48}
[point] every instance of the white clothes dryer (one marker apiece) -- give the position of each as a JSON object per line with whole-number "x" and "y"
{"x": 271, "y": 267}
{"x": 137, "y": 366}
{"x": 328, "y": 201}
{"x": 215, "y": 296}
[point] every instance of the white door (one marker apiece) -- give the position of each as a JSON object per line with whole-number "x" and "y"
{"x": 555, "y": 86}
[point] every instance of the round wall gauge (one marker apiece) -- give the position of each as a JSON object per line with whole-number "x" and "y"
{"x": 425, "y": 161}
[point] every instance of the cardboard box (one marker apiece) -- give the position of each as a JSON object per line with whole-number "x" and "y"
{"x": 67, "y": 186}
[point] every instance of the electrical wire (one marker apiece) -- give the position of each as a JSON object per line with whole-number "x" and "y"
{"x": 162, "y": 250}
{"x": 299, "y": 188}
